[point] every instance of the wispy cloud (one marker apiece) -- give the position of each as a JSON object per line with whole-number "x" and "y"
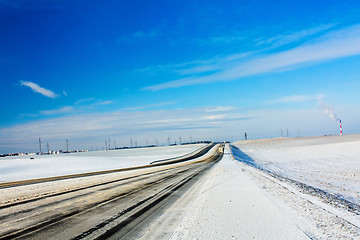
{"x": 36, "y": 88}
{"x": 147, "y": 106}
{"x": 80, "y": 106}
{"x": 283, "y": 39}
{"x": 89, "y": 126}
{"x": 219, "y": 109}
{"x": 62, "y": 110}
{"x": 296, "y": 99}
{"x": 90, "y": 129}
{"x": 85, "y": 100}
{"x": 224, "y": 39}
{"x": 333, "y": 45}
{"x": 198, "y": 66}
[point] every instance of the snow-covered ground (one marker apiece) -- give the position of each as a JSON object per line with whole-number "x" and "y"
{"x": 23, "y": 168}
{"x": 331, "y": 163}
{"x": 225, "y": 204}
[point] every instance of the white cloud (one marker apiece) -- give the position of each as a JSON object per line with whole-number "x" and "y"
{"x": 219, "y": 109}
{"x": 86, "y": 127}
{"x": 286, "y": 38}
{"x": 214, "y": 117}
{"x": 296, "y": 98}
{"x": 86, "y": 130}
{"x": 82, "y": 105}
{"x": 62, "y": 110}
{"x": 107, "y": 102}
{"x": 36, "y": 88}
{"x": 334, "y": 45}
{"x": 147, "y": 106}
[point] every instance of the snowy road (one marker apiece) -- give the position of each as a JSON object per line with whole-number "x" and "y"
{"x": 289, "y": 194}
{"x": 225, "y": 204}
{"x": 94, "y": 207}
{"x": 237, "y": 201}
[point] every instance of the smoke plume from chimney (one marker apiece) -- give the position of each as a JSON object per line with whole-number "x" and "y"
{"x": 328, "y": 110}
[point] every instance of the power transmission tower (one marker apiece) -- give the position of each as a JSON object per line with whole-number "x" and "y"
{"x": 131, "y": 142}
{"x": 40, "y": 144}
{"x": 48, "y": 148}
{"x": 106, "y": 145}
{"x": 109, "y": 143}
{"x": 67, "y": 146}
{"x": 168, "y": 139}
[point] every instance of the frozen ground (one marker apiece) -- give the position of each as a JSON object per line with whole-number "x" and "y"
{"x": 331, "y": 163}
{"x": 22, "y": 167}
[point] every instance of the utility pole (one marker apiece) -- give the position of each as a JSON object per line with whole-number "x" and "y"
{"x": 168, "y": 139}
{"x": 48, "y": 148}
{"x": 40, "y": 145}
{"x": 245, "y": 136}
{"x": 287, "y": 132}
{"x": 67, "y": 146}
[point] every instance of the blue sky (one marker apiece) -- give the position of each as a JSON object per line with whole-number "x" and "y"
{"x": 87, "y": 70}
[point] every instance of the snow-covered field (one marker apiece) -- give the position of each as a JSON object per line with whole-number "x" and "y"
{"x": 331, "y": 163}
{"x": 22, "y": 167}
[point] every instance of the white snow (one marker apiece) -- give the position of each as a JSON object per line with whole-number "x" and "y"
{"x": 22, "y": 167}
{"x": 331, "y": 163}
{"x": 225, "y": 204}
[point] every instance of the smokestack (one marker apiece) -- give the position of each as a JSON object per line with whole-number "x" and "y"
{"x": 341, "y": 133}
